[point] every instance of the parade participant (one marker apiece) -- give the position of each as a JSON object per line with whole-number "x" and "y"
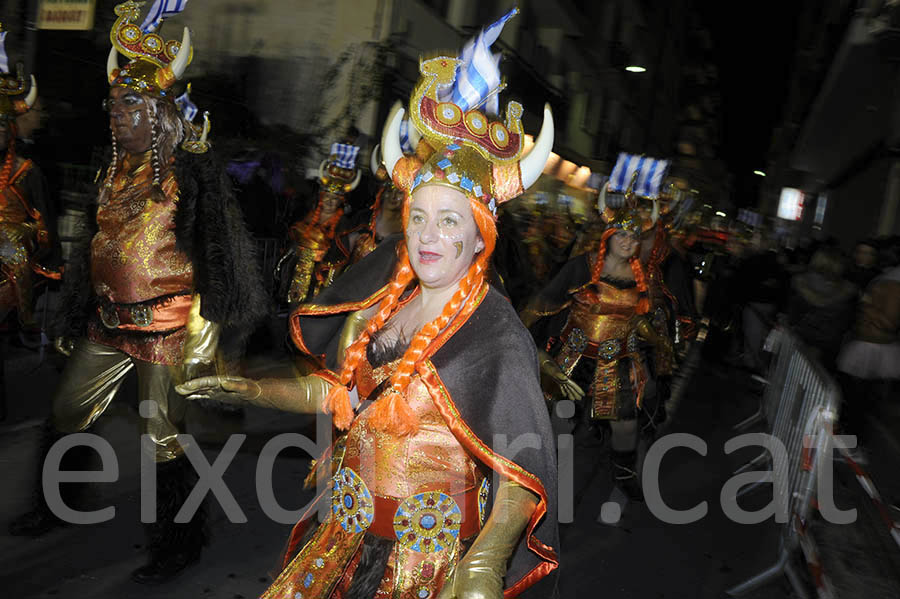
{"x": 320, "y": 240}
{"x": 167, "y": 271}
{"x": 425, "y": 502}
{"x": 387, "y": 209}
{"x": 24, "y": 234}
{"x": 671, "y": 300}
{"x": 597, "y": 308}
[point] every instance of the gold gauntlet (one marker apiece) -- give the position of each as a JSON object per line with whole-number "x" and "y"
{"x": 354, "y": 326}
{"x": 481, "y": 570}
{"x": 201, "y": 342}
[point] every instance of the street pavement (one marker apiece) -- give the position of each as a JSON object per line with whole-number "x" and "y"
{"x": 640, "y": 557}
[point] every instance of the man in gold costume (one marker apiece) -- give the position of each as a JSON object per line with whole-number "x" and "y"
{"x": 167, "y": 270}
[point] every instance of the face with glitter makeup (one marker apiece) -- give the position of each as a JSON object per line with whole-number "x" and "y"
{"x": 129, "y": 119}
{"x": 441, "y": 236}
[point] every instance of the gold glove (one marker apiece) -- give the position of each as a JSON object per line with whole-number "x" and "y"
{"x": 354, "y": 325}
{"x": 551, "y": 372}
{"x": 479, "y": 574}
{"x": 303, "y": 395}
{"x": 201, "y": 342}
{"x": 662, "y": 344}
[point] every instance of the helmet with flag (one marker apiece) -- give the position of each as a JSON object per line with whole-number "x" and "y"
{"x": 12, "y": 85}
{"x": 339, "y": 172}
{"x": 634, "y": 177}
{"x": 156, "y": 64}
{"x": 454, "y": 105}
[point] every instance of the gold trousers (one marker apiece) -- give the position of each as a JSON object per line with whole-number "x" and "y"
{"x": 90, "y": 380}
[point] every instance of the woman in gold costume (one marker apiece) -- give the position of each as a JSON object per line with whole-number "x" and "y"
{"x": 597, "y": 304}
{"x": 429, "y": 371}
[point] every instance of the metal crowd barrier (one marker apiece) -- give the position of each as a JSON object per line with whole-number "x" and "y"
{"x": 800, "y": 406}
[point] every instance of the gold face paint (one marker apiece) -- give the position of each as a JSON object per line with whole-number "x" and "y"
{"x": 459, "y": 247}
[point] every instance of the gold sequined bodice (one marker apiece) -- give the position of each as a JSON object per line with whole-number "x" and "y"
{"x": 430, "y": 459}
{"x": 133, "y": 254}
{"x": 603, "y": 311}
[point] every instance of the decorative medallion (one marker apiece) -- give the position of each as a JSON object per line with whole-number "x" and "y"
{"x": 428, "y": 522}
{"x": 609, "y": 349}
{"x": 351, "y": 502}
{"x": 448, "y": 113}
{"x": 152, "y": 44}
{"x": 109, "y": 316}
{"x": 476, "y": 122}
{"x": 141, "y": 315}
{"x": 499, "y": 135}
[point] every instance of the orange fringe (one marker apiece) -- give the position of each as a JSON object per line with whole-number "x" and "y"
{"x": 392, "y": 414}
{"x": 337, "y": 403}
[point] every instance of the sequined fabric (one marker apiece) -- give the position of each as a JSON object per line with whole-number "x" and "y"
{"x": 134, "y": 258}
{"x": 599, "y": 329}
{"x": 133, "y": 254}
{"x": 391, "y": 467}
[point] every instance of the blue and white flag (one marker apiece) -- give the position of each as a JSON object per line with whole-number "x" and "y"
{"x": 405, "y": 143}
{"x": 4, "y": 59}
{"x": 344, "y": 155}
{"x": 184, "y": 104}
{"x": 650, "y": 175}
{"x": 478, "y": 75}
{"x": 160, "y": 10}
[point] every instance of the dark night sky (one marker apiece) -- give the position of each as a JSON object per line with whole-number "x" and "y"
{"x": 754, "y": 49}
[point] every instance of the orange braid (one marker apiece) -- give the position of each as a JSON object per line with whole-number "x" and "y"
{"x": 643, "y": 305}
{"x": 10, "y": 160}
{"x": 392, "y": 413}
{"x": 375, "y": 207}
{"x": 597, "y": 271}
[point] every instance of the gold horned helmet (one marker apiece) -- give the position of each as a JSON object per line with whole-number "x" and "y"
{"x": 155, "y": 65}
{"x": 474, "y": 154}
{"x": 13, "y": 85}
{"x": 339, "y": 173}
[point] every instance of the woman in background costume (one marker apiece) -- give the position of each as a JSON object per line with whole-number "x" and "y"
{"x": 24, "y": 231}
{"x": 166, "y": 270}
{"x": 428, "y": 500}
{"x": 597, "y": 308}
{"x": 321, "y": 243}
{"x": 386, "y": 218}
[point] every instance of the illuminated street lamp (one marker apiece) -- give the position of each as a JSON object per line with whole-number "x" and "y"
{"x": 635, "y": 69}
{"x": 760, "y": 173}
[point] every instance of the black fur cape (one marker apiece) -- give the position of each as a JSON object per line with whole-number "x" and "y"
{"x": 210, "y": 229}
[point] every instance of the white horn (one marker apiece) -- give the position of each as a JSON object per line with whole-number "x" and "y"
{"x": 180, "y": 62}
{"x": 322, "y": 170}
{"x": 31, "y": 98}
{"x": 533, "y": 164}
{"x": 375, "y": 159}
{"x": 601, "y": 203}
{"x": 206, "y": 127}
{"x": 356, "y": 179}
{"x": 112, "y": 64}
{"x": 390, "y": 139}
{"x": 654, "y": 215}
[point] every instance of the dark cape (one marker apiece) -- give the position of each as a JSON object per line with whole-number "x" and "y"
{"x": 210, "y": 229}
{"x": 548, "y": 311}
{"x": 483, "y": 377}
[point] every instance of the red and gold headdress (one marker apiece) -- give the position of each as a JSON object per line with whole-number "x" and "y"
{"x": 155, "y": 65}
{"x": 13, "y": 85}
{"x": 474, "y": 154}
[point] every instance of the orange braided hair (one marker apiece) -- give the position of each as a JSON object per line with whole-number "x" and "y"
{"x": 392, "y": 413}
{"x": 643, "y": 305}
{"x": 10, "y": 159}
